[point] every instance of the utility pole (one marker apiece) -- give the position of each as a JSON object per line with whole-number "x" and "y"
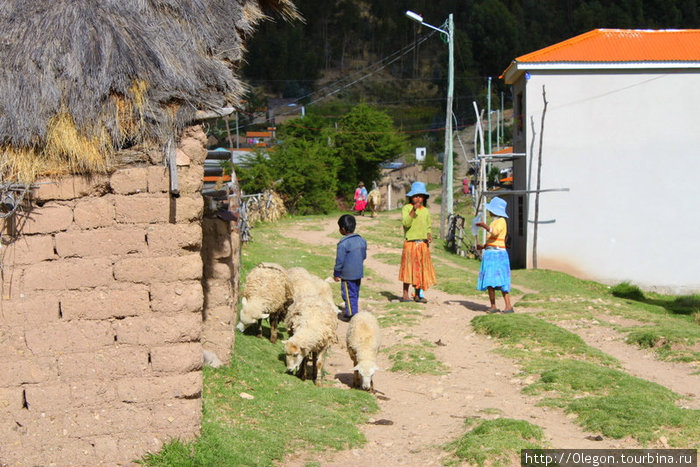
{"x": 447, "y": 191}
{"x": 488, "y": 111}
{"x": 448, "y": 204}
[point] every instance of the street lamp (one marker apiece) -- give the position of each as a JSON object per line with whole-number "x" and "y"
{"x": 447, "y": 205}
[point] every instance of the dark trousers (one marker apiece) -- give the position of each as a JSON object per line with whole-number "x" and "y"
{"x": 350, "y": 291}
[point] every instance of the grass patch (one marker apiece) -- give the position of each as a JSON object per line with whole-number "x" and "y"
{"x": 495, "y": 442}
{"x": 578, "y": 379}
{"x": 398, "y": 315}
{"x": 415, "y": 359}
{"x": 392, "y": 259}
{"x": 628, "y": 291}
{"x": 536, "y": 335}
{"x": 285, "y": 413}
{"x": 616, "y": 404}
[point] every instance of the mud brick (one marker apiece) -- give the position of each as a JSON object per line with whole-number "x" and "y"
{"x": 43, "y": 398}
{"x": 27, "y": 371}
{"x": 11, "y": 399}
{"x": 103, "y": 303}
{"x": 189, "y": 179}
{"x": 158, "y": 179}
{"x": 133, "y": 445}
{"x": 142, "y": 209}
{"x": 161, "y": 269}
{"x": 68, "y": 274}
{"x": 49, "y": 218}
{"x": 218, "y": 292}
{"x": 177, "y": 358}
{"x": 220, "y": 317}
{"x": 169, "y": 238}
{"x": 27, "y": 249}
{"x": 194, "y": 148}
{"x": 90, "y": 213}
{"x": 159, "y": 329}
{"x": 179, "y": 416}
{"x": 70, "y": 336}
{"x": 218, "y": 242}
{"x": 105, "y": 363}
{"x": 175, "y": 297}
{"x": 105, "y": 421}
{"x": 12, "y": 342}
{"x": 93, "y": 392}
{"x": 128, "y": 181}
{"x": 139, "y": 390}
{"x": 219, "y": 270}
{"x": 101, "y": 242}
{"x": 63, "y": 451}
{"x": 69, "y": 187}
{"x": 189, "y": 208}
{"x": 37, "y": 309}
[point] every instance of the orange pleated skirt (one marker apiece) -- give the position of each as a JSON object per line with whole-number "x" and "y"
{"x": 416, "y": 266}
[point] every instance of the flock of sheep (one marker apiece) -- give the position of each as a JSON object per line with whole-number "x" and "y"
{"x": 305, "y": 303}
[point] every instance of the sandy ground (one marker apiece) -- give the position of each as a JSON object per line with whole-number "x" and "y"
{"x": 419, "y": 413}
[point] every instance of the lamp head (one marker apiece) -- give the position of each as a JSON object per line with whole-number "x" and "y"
{"x": 414, "y": 16}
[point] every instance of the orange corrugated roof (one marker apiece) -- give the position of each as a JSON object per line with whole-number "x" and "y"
{"x": 258, "y": 134}
{"x": 506, "y": 150}
{"x": 622, "y": 45}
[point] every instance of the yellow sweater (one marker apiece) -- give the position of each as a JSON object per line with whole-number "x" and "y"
{"x": 415, "y": 228}
{"x": 497, "y": 233}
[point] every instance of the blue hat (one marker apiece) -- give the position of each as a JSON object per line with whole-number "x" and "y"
{"x": 497, "y": 206}
{"x": 418, "y": 188}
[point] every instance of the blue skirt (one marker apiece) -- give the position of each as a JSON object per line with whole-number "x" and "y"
{"x": 495, "y": 270}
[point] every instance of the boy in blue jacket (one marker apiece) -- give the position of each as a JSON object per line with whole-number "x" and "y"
{"x": 349, "y": 256}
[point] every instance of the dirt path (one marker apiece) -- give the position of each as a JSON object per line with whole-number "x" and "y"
{"x": 427, "y": 411}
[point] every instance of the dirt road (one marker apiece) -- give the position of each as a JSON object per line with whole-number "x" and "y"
{"x": 419, "y": 413}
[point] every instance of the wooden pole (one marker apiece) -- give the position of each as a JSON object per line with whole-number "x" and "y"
{"x": 539, "y": 180}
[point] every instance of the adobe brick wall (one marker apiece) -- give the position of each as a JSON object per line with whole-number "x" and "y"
{"x": 221, "y": 259}
{"x": 101, "y": 316}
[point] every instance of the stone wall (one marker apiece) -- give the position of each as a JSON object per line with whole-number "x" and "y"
{"x": 101, "y": 316}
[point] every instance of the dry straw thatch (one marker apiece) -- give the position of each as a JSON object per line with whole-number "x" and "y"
{"x": 81, "y": 78}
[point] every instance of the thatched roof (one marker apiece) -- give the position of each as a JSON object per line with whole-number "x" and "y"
{"x": 82, "y": 77}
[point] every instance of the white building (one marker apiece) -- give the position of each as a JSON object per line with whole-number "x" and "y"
{"x": 622, "y": 133}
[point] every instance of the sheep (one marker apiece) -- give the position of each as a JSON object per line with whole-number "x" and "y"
{"x": 267, "y": 294}
{"x": 363, "y": 340}
{"x": 374, "y": 198}
{"x": 304, "y": 283}
{"x": 314, "y": 332}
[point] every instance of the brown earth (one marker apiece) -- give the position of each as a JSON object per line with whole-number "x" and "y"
{"x": 419, "y": 413}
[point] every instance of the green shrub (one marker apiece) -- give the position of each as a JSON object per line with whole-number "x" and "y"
{"x": 628, "y": 291}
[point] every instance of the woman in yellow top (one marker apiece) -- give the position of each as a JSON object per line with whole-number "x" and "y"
{"x": 495, "y": 264}
{"x": 416, "y": 266}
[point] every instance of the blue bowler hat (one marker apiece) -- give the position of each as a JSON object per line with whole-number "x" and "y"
{"x": 497, "y": 206}
{"x": 418, "y": 188}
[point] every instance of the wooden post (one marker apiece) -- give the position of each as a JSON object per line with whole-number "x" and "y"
{"x": 171, "y": 158}
{"x": 537, "y": 193}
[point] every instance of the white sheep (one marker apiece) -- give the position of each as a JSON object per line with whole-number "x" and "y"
{"x": 305, "y": 284}
{"x": 267, "y": 294}
{"x": 363, "y": 340}
{"x": 314, "y": 332}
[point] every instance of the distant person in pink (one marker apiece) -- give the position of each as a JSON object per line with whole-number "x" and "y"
{"x": 360, "y": 199}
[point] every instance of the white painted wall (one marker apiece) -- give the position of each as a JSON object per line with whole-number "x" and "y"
{"x": 627, "y": 145}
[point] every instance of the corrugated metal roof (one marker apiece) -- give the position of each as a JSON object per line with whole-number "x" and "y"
{"x": 614, "y": 48}
{"x": 622, "y": 45}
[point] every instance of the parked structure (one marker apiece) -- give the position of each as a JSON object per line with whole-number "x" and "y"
{"x": 113, "y": 280}
{"x": 620, "y": 131}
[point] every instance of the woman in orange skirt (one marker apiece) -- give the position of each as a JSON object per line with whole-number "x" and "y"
{"x": 416, "y": 266}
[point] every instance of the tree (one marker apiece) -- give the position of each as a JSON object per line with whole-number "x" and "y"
{"x": 308, "y": 176}
{"x": 364, "y": 139}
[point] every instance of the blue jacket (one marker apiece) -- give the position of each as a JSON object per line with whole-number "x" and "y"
{"x": 349, "y": 255}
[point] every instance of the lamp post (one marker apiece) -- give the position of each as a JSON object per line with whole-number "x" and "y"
{"x": 447, "y": 192}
